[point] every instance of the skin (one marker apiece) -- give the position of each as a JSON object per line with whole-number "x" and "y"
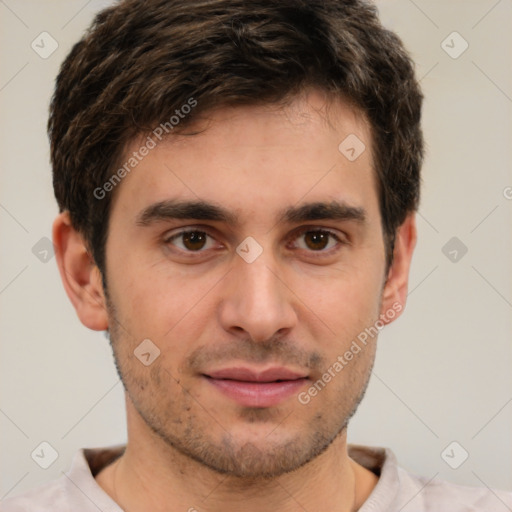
{"x": 298, "y": 305}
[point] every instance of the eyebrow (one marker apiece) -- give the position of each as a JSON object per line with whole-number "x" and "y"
{"x": 334, "y": 210}
{"x": 174, "y": 209}
{"x": 202, "y": 210}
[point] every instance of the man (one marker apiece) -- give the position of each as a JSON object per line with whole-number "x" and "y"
{"x": 238, "y": 184}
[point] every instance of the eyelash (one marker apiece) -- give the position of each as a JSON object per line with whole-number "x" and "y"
{"x": 302, "y": 231}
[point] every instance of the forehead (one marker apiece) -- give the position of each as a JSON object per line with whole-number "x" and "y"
{"x": 249, "y": 157}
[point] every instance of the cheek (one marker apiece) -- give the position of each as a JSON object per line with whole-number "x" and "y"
{"x": 343, "y": 300}
{"x": 160, "y": 304}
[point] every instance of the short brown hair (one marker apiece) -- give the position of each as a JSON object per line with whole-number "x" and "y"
{"x": 141, "y": 60}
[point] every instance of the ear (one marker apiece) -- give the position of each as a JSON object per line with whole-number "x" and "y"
{"x": 80, "y": 275}
{"x": 394, "y": 294}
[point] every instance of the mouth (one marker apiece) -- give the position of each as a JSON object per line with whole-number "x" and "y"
{"x": 253, "y": 388}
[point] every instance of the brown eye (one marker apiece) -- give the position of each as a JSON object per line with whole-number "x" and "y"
{"x": 194, "y": 240}
{"x": 191, "y": 241}
{"x": 316, "y": 240}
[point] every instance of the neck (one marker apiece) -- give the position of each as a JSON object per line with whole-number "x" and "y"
{"x": 152, "y": 476}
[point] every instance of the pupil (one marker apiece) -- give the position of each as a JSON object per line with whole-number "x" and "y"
{"x": 194, "y": 240}
{"x": 316, "y": 240}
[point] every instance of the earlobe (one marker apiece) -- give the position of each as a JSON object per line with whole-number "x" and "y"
{"x": 394, "y": 295}
{"x": 80, "y": 275}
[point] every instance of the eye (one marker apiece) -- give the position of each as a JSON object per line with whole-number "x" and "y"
{"x": 191, "y": 240}
{"x": 317, "y": 240}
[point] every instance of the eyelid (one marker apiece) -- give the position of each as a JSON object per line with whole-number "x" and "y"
{"x": 173, "y": 233}
{"x": 341, "y": 240}
{"x": 305, "y": 229}
{"x": 170, "y": 235}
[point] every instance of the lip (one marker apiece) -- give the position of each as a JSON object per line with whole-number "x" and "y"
{"x": 249, "y": 375}
{"x": 254, "y": 388}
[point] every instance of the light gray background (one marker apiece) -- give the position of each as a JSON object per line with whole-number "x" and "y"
{"x": 443, "y": 370}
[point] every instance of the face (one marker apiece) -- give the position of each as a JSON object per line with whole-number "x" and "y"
{"x": 252, "y": 256}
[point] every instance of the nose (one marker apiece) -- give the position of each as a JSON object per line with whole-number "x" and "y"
{"x": 256, "y": 301}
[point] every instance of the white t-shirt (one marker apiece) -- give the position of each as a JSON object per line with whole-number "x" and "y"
{"x": 396, "y": 490}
